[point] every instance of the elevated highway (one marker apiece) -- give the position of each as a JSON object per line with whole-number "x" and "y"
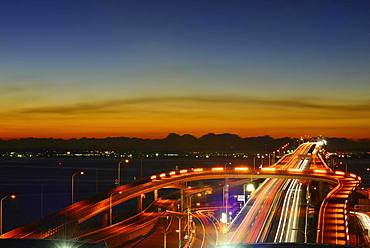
{"x": 304, "y": 164}
{"x": 332, "y": 225}
{"x": 277, "y": 211}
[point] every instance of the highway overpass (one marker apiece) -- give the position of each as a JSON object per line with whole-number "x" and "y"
{"x": 285, "y": 180}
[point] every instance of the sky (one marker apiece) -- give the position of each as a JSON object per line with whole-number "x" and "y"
{"x": 147, "y": 68}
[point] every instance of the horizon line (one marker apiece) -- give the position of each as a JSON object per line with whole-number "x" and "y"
{"x": 183, "y": 134}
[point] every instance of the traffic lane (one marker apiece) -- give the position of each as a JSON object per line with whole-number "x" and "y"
{"x": 207, "y": 228}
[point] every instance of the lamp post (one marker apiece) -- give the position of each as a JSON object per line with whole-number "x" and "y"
{"x": 225, "y": 192}
{"x": 165, "y": 229}
{"x": 308, "y": 200}
{"x": 180, "y": 237}
{"x": 118, "y": 180}
{"x": 189, "y": 211}
{"x": 111, "y": 208}
{"x": 269, "y": 159}
{"x": 262, "y": 157}
{"x": 179, "y": 215}
{"x": 188, "y": 215}
{"x": 188, "y": 226}
{"x": 1, "y": 211}
{"x": 73, "y": 184}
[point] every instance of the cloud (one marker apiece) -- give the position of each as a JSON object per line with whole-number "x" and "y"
{"x": 10, "y": 89}
{"x": 118, "y": 105}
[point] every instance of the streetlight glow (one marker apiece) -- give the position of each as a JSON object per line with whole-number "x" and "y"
{"x": 250, "y": 187}
{"x": 1, "y": 210}
{"x": 73, "y": 184}
{"x": 223, "y": 218}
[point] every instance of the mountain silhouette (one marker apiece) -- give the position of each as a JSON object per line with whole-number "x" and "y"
{"x": 174, "y": 143}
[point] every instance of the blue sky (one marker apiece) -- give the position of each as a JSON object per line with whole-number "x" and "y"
{"x": 73, "y": 53}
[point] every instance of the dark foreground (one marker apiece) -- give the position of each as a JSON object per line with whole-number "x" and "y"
{"x": 46, "y": 243}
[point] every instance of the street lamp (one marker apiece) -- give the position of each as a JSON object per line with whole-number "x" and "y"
{"x": 73, "y": 183}
{"x": 179, "y": 231}
{"x": 110, "y": 207}
{"x": 308, "y": 200}
{"x": 118, "y": 180}
{"x": 165, "y": 229}
{"x": 1, "y": 211}
{"x": 189, "y": 210}
{"x": 223, "y": 221}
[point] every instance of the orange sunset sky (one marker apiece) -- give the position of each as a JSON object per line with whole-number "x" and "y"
{"x": 145, "y": 70}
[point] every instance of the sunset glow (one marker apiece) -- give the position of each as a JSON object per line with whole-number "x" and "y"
{"x": 116, "y": 73}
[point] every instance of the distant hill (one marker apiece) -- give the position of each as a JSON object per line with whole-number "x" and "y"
{"x": 173, "y": 143}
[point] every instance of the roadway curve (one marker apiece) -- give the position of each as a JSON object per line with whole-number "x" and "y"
{"x": 84, "y": 210}
{"x": 274, "y": 199}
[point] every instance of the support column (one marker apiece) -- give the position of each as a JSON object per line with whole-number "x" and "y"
{"x": 139, "y": 207}
{"x": 226, "y": 198}
{"x": 104, "y": 219}
{"x": 155, "y": 194}
{"x": 180, "y": 235}
{"x": 182, "y": 200}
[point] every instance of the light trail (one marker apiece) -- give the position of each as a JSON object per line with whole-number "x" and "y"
{"x": 288, "y": 197}
{"x": 286, "y": 204}
{"x": 364, "y": 220}
{"x": 292, "y": 229}
{"x": 291, "y": 213}
{"x": 282, "y": 220}
{"x": 258, "y": 216}
{"x": 253, "y": 223}
{"x": 295, "y": 207}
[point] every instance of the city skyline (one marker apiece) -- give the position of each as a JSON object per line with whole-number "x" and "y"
{"x": 72, "y": 69}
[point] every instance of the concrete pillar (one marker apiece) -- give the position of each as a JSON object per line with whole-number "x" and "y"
{"x": 105, "y": 219}
{"x": 155, "y": 194}
{"x": 182, "y": 200}
{"x": 226, "y": 198}
{"x": 140, "y": 203}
